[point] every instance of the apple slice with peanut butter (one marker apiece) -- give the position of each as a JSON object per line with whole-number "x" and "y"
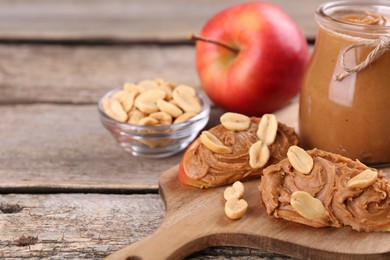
{"x": 336, "y": 192}
{"x": 241, "y": 157}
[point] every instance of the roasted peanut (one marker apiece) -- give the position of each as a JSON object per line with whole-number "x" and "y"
{"x": 130, "y": 87}
{"x": 126, "y": 99}
{"x": 364, "y": 179}
{"x": 184, "y": 117}
{"x": 300, "y": 159}
{"x": 146, "y": 101}
{"x": 267, "y": 129}
{"x": 258, "y": 154}
{"x": 235, "y": 208}
{"x": 162, "y": 118}
{"x": 213, "y": 143}
{"x": 167, "y": 90}
{"x": 148, "y": 84}
{"x": 307, "y": 206}
{"x": 185, "y": 89}
{"x": 235, "y": 121}
{"x": 118, "y": 112}
{"x": 187, "y": 102}
{"x": 169, "y": 108}
{"x": 234, "y": 191}
{"x": 148, "y": 121}
{"x": 135, "y": 116}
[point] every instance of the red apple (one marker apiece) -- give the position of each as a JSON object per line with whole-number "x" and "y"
{"x": 264, "y": 66}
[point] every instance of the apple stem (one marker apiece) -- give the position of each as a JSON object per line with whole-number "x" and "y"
{"x": 224, "y": 45}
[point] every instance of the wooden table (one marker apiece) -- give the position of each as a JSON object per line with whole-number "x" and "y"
{"x": 67, "y": 189}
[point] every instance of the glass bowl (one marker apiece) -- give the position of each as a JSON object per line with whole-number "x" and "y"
{"x": 155, "y": 141}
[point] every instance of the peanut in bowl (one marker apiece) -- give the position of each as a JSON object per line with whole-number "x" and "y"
{"x": 149, "y": 137}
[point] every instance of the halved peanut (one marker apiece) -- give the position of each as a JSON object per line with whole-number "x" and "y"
{"x": 258, "y": 155}
{"x": 235, "y": 121}
{"x": 167, "y": 90}
{"x": 184, "y": 117}
{"x": 130, "y": 87}
{"x": 213, "y": 143}
{"x": 169, "y": 108}
{"x": 300, "y": 159}
{"x": 185, "y": 89}
{"x": 267, "y": 129}
{"x": 306, "y": 205}
{"x": 235, "y": 208}
{"x": 119, "y": 95}
{"x": 173, "y": 102}
{"x": 106, "y": 104}
{"x": 234, "y": 191}
{"x": 162, "y": 118}
{"x": 117, "y": 111}
{"x": 125, "y": 98}
{"x": 148, "y": 121}
{"x": 128, "y": 101}
{"x": 364, "y": 179}
{"x": 187, "y": 102}
{"x": 106, "y": 107}
{"x": 147, "y": 107}
{"x": 135, "y": 116}
{"x": 146, "y": 101}
{"x": 161, "y": 82}
{"x": 148, "y": 84}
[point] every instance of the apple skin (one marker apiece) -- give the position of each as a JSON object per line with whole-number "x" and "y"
{"x": 268, "y": 69}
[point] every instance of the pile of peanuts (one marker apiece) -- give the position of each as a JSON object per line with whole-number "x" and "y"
{"x": 153, "y": 103}
{"x": 259, "y": 152}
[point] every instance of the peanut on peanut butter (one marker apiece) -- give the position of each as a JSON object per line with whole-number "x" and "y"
{"x": 337, "y": 192}
{"x": 205, "y": 167}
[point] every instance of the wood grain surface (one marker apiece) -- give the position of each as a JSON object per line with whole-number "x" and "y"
{"x": 125, "y": 20}
{"x": 46, "y": 147}
{"x": 87, "y": 226}
{"x": 82, "y": 74}
{"x": 195, "y": 219}
{"x": 50, "y": 134}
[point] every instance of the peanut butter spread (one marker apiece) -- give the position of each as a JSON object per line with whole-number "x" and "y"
{"x": 214, "y": 169}
{"x": 364, "y": 209}
{"x": 366, "y": 18}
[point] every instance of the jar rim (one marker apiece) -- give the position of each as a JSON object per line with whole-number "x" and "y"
{"x": 324, "y": 16}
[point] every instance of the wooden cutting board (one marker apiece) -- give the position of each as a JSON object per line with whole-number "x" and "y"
{"x": 195, "y": 219}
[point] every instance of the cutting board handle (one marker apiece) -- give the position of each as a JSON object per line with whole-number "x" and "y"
{"x": 174, "y": 242}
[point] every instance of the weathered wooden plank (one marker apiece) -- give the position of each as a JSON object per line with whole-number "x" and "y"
{"x": 82, "y": 74}
{"x": 48, "y": 147}
{"x": 87, "y": 226}
{"x": 122, "y": 20}
{"x": 65, "y": 147}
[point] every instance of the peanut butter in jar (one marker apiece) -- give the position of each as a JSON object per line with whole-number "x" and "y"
{"x": 345, "y": 96}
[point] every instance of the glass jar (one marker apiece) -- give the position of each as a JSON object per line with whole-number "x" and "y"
{"x": 345, "y": 108}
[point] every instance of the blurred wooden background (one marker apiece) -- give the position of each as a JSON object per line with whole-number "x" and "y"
{"x": 124, "y": 20}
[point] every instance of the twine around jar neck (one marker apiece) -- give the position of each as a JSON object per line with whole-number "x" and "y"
{"x": 382, "y": 44}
